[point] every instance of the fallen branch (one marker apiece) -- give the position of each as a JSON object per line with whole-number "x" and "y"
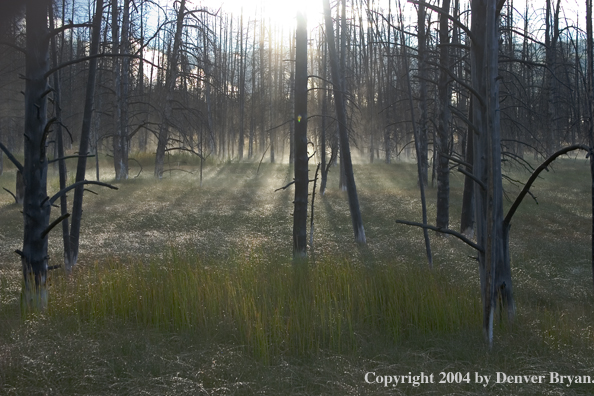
{"x": 443, "y": 231}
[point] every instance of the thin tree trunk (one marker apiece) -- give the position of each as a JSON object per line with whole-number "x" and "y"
{"x": 590, "y": 101}
{"x": 62, "y": 172}
{"x": 207, "y": 88}
{"x": 301, "y": 159}
{"x": 325, "y": 167}
{"x": 443, "y": 126}
{"x": 292, "y": 103}
{"x": 338, "y": 83}
{"x": 122, "y": 129}
{"x": 417, "y": 146}
{"x": 423, "y": 76}
{"x": 467, "y": 216}
{"x": 241, "y": 90}
{"x": 170, "y": 80}
{"x": 84, "y": 137}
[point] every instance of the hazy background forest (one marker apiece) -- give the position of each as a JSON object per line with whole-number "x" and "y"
{"x": 199, "y": 267}
{"x": 233, "y": 86}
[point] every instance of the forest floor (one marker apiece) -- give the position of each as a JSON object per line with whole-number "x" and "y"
{"x": 236, "y": 213}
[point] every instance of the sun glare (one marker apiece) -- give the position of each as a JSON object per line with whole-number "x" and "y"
{"x": 282, "y": 13}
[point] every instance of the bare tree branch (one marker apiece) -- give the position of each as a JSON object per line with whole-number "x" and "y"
{"x": 443, "y": 231}
{"x": 534, "y": 176}
{"x": 54, "y": 223}
{"x": 10, "y": 192}
{"x": 73, "y": 186}
{"x": 11, "y": 157}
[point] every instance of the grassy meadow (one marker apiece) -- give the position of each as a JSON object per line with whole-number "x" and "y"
{"x": 189, "y": 289}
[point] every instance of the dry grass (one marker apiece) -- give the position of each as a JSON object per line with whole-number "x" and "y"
{"x": 235, "y": 229}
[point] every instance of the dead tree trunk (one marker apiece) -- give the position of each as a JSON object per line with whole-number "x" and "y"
{"x": 551, "y": 39}
{"x": 417, "y": 142}
{"x": 242, "y": 66}
{"x": 121, "y": 78}
{"x": 170, "y": 80}
{"x": 423, "y": 77}
{"x": 345, "y": 152}
{"x": 301, "y": 159}
{"x": 36, "y": 212}
{"x": 590, "y": 101}
{"x": 325, "y": 167}
{"x": 467, "y": 215}
{"x": 62, "y": 171}
{"x": 443, "y": 125}
{"x": 495, "y": 276}
{"x": 84, "y": 138}
{"x": 207, "y": 88}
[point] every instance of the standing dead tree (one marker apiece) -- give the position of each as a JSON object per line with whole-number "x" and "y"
{"x": 345, "y": 152}
{"x": 301, "y": 159}
{"x": 37, "y": 204}
{"x": 418, "y": 147}
{"x": 170, "y": 80}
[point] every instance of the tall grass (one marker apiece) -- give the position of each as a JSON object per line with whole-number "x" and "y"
{"x": 270, "y": 309}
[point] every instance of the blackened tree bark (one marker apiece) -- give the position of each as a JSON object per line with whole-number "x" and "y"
{"x": 292, "y": 103}
{"x": 62, "y": 171}
{"x": 590, "y": 101}
{"x": 242, "y": 66}
{"x": 207, "y": 89}
{"x": 84, "y": 138}
{"x": 443, "y": 125}
{"x": 467, "y": 214}
{"x": 325, "y": 164}
{"x": 423, "y": 77}
{"x": 417, "y": 144}
{"x": 551, "y": 40}
{"x": 301, "y": 159}
{"x": 36, "y": 212}
{"x": 495, "y": 275}
{"x": 170, "y": 79}
{"x": 345, "y": 152}
{"x": 121, "y": 68}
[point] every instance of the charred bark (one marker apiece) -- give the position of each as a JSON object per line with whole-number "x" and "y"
{"x": 443, "y": 130}
{"x": 301, "y": 158}
{"x": 345, "y": 152}
{"x": 84, "y": 138}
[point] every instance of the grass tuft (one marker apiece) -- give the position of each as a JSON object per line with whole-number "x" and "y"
{"x": 271, "y": 310}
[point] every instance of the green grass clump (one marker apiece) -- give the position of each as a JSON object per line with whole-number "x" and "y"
{"x": 270, "y": 309}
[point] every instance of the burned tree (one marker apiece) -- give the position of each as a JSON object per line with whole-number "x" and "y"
{"x": 300, "y": 121}
{"x": 345, "y": 152}
{"x": 37, "y": 204}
